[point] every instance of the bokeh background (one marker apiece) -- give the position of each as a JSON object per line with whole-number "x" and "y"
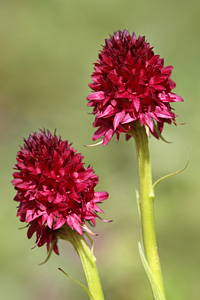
{"x": 47, "y": 51}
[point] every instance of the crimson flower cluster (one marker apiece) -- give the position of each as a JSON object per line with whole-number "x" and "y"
{"x": 54, "y": 188}
{"x": 130, "y": 85}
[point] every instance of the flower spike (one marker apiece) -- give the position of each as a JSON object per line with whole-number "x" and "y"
{"x": 54, "y": 189}
{"x": 130, "y": 85}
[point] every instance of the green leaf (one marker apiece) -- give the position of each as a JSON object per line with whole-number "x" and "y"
{"x": 138, "y": 202}
{"x": 160, "y": 135}
{"x": 92, "y": 245}
{"x": 154, "y": 285}
{"x": 49, "y": 253}
{"x": 171, "y": 174}
{"x": 82, "y": 285}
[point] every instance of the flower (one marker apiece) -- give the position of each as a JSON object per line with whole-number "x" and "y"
{"x": 54, "y": 188}
{"x": 130, "y": 85}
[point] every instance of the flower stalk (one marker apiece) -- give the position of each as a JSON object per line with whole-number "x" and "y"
{"x": 146, "y": 204}
{"x": 88, "y": 261}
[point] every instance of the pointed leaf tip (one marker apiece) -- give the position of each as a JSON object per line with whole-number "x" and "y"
{"x": 172, "y": 174}
{"x": 49, "y": 253}
{"x": 158, "y": 295}
{"x": 82, "y": 285}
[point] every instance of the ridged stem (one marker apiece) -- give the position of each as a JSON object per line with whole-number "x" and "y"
{"x": 147, "y": 204}
{"x": 88, "y": 261}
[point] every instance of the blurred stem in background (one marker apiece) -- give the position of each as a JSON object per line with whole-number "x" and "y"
{"x": 150, "y": 257}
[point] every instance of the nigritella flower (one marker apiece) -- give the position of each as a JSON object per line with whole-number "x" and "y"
{"x": 130, "y": 85}
{"x": 54, "y": 188}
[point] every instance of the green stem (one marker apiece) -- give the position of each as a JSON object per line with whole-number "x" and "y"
{"x": 147, "y": 205}
{"x": 88, "y": 262}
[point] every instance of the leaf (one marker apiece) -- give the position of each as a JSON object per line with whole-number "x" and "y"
{"x": 49, "y": 253}
{"x": 160, "y": 135}
{"x": 158, "y": 295}
{"x": 138, "y": 202}
{"x": 92, "y": 245}
{"x": 82, "y": 285}
{"x": 171, "y": 174}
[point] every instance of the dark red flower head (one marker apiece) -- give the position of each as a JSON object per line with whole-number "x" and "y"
{"x": 54, "y": 188}
{"x": 130, "y": 83}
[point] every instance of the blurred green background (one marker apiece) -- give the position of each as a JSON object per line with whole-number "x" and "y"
{"x": 47, "y": 51}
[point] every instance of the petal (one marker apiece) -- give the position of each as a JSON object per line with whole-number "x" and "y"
{"x": 107, "y": 112}
{"x": 50, "y": 220}
{"x": 118, "y": 118}
{"x": 100, "y": 196}
{"x": 100, "y": 131}
{"x": 175, "y": 98}
{"x": 149, "y": 122}
{"x": 98, "y": 96}
{"x": 74, "y": 224}
{"x": 136, "y": 103}
{"x": 128, "y": 119}
{"x": 59, "y": 222}
{"x": 108, "y": 136}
